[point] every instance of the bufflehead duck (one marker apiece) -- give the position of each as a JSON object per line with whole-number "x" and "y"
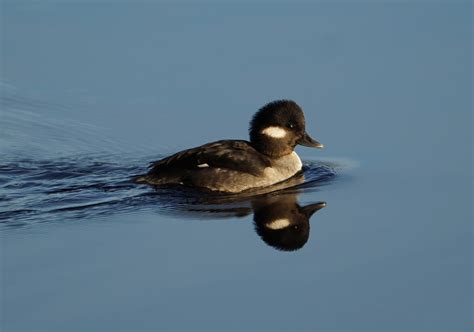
{"x": 234, "y": 166}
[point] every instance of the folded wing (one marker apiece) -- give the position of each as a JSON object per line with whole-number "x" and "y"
{"x": 229, "y": 154}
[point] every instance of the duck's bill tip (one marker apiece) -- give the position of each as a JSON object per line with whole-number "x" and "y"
{"x": 306, "y": 140}
{"x": 310, "y": 209}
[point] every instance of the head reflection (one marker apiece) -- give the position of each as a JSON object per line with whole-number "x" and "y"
{"x": 282, "y": 223}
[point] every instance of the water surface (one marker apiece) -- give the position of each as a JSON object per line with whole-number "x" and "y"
{"x": 93, "y": 91}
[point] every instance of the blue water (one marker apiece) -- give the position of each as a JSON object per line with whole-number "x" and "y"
{"x": 93, "y": 91}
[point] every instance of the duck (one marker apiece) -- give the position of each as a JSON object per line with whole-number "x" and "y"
{"x": 236, "y": 166}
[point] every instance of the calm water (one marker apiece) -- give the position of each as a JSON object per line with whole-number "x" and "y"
{"x": 381, "y": 235}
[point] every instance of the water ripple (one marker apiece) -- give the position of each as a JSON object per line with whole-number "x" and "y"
{"x": 35, "y": 191}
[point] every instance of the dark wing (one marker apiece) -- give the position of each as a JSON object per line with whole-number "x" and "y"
{"x": 228, "y": 154}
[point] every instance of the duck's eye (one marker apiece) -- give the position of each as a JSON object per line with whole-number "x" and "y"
{"x": 290, "y": 125}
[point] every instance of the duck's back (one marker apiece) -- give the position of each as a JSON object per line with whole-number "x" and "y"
{"x": 216, "y": 166}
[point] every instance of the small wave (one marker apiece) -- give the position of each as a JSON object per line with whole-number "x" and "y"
{"x": 37, "y": 127}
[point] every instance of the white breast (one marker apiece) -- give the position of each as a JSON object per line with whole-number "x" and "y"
{"x": 283, "y": 168}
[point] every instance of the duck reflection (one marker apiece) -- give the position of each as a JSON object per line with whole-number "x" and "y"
{"x": 282, "y": 223}
{"x": 279, "y": 220}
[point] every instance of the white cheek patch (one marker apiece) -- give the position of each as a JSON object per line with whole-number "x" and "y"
{"x": 203, "y": 165}
{"x": 275, "y": 132}
{"x": 278, "y": 224}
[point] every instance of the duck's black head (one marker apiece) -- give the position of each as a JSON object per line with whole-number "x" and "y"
{"x": 278, "y": 127}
